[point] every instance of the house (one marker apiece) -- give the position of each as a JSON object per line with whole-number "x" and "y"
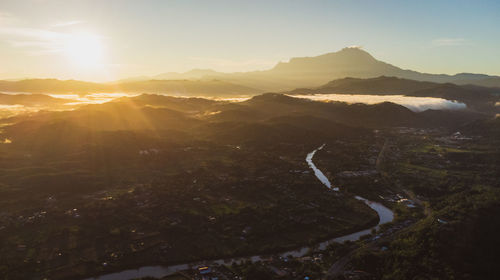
{"x": 204, "y": 270}
{"x": 206, "y": 273}
{"x": 408, "y": 202}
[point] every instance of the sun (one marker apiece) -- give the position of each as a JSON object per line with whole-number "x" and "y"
{"x": 84, "y": 50}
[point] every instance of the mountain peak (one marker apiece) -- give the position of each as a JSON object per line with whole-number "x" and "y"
{"x": 353, "y": 49}
{"x": 351, "y": 53}
{"x": 350, "y": 60}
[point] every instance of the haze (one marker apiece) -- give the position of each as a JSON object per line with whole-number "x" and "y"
{"x": 110, "y": 40}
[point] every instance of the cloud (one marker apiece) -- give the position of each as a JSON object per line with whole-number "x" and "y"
{"x": 35, "y": 41}
{"x": 29, "y": 32}
{"x": 416, "y": 104}
{"x": 446, "y": 42}
{"x": 67, "y": 23}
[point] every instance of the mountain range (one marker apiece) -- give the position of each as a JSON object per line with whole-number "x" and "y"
{"x": 300, "y": 72}
{"x": 318, "y": 70}
{"x": 171, "y": 87}
{"x": 268, "y": 116}
{"x": 314, "y": 71}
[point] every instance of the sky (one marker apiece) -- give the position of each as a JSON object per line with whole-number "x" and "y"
{"x": 114, "y": 39}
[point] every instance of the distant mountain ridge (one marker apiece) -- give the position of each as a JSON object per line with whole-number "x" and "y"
{"x": 31, "y": 100}
{"x": 317, "y": 70}
{"x": 171, "y": 87}
{"x": 191, "y": 74}
{"x": 357, "y": 63}
{"x": 299, "y": 72}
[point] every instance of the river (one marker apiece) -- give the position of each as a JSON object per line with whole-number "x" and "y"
{"x": 318, "y": 172}
{"x": 159, "y": 271}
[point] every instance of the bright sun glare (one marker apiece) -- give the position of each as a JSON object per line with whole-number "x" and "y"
{"x": 84, "y": 50}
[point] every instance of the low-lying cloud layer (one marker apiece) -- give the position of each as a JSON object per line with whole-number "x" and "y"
{"x": 416, "y": 104}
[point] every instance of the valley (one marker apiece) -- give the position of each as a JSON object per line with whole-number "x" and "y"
{"x": 192, "y": 179}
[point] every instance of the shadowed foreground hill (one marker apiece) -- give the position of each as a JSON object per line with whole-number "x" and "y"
{"x": 264, "y": 119}
{"x": 158, "y": 112}
{"x": 385, "y": 114}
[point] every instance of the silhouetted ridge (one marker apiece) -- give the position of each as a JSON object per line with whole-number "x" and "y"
{"x": 476, "y": 98}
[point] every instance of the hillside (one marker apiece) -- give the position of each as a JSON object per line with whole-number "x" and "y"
{"x": 258, "y": 114}
{"x": 477, "y": 98}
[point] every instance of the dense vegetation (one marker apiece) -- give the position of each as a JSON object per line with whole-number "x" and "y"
{"x": 161, "y": 180}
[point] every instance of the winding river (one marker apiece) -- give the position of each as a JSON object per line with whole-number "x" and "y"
{"x": 384, "y": 213}
{"x": 317, "y": 172}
